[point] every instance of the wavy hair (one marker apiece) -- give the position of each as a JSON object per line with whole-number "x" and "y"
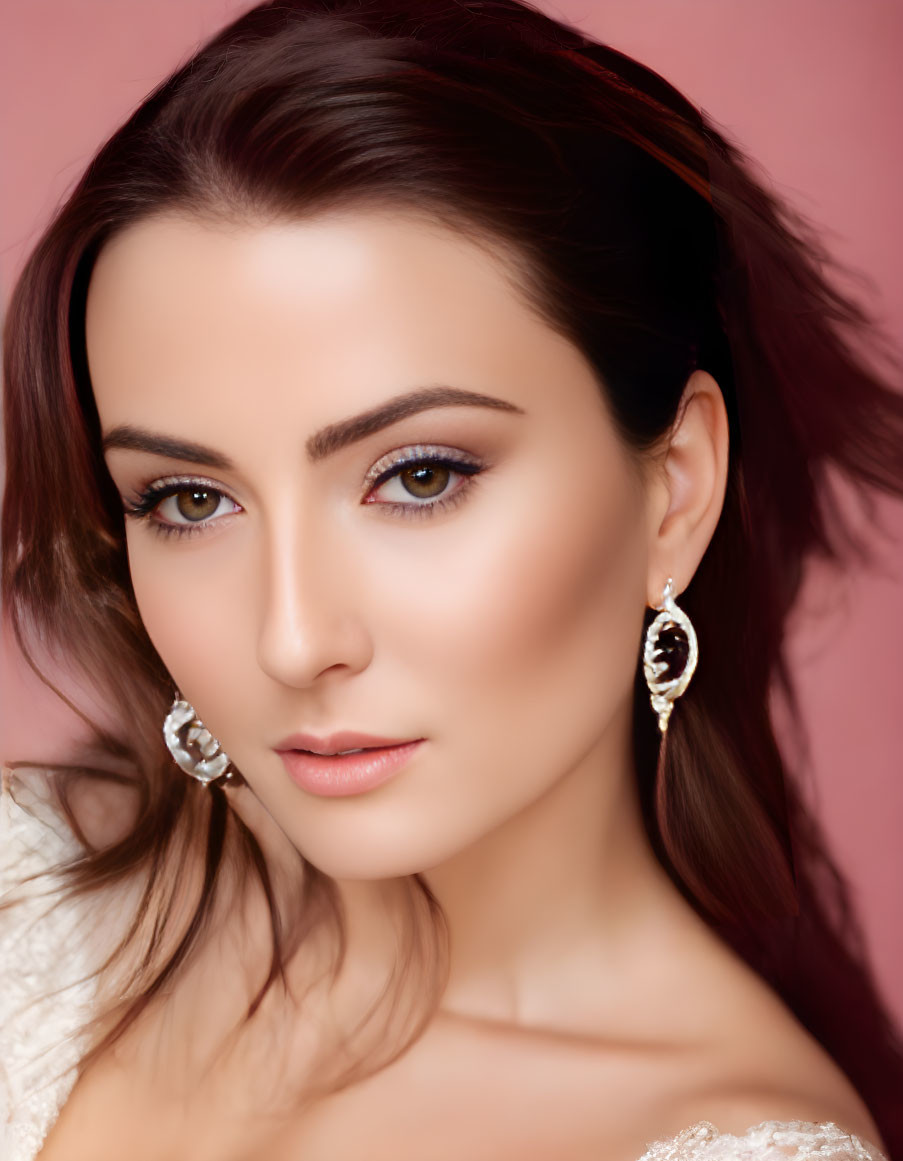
{"x": 644, "y": 236}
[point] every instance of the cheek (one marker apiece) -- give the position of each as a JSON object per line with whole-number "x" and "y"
{"x": 535, "y": 615}
{"x": 186, "y": 612}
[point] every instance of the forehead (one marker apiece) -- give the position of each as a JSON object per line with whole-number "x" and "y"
{"x": 316, "y": 279}
{"x": 317, "y": 318}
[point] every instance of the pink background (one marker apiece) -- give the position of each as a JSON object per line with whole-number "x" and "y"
{"x": 811, "y": 88}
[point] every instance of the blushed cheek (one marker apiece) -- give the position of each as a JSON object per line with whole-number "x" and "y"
{"x": 544, "y": 618}
{"x": 186, "y": 617}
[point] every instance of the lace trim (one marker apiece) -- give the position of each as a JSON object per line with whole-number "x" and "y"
{"x": 43, "y": 1001}
{"x": 766, "y": 1141}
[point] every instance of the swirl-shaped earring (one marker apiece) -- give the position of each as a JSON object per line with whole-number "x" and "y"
{"x": 662, "y": 647}
{"x": 193, "y": 747}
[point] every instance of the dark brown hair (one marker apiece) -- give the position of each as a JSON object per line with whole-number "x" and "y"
{"x": 642, "y": 235}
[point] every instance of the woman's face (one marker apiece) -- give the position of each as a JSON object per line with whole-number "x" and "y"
{"x": 493, "y": 611}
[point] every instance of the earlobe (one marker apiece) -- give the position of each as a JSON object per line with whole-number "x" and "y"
{"x": 688, "y": 494}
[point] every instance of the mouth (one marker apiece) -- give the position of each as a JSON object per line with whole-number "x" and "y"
{"x": 345, "y": 753}
{"x": 342, "y": 774}
{"x": 339, "y": 742}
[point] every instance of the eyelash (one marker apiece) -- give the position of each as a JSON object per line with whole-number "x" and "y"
{"x": 142, "y": 506}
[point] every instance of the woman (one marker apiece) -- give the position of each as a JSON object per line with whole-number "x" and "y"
{"x": 429, "y": 379}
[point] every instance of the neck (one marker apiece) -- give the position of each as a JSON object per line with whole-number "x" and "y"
{"x": 542, "y": 907}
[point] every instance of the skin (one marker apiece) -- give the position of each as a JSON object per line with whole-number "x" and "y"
{"x": 587, "y": 1008}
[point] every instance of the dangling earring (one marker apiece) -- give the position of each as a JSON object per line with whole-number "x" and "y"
{"x": 657, "y": 657}
{"x": 193, "y": 747}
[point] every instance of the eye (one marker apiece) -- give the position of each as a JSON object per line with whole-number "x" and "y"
{"x": 423, "y": 475}
{"x": 180, "y": 507}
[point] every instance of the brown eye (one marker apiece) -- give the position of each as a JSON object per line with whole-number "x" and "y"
{"x": 179, "y": 507}
{"x": 197, "y": 504}
{"x": 425, "y": 480}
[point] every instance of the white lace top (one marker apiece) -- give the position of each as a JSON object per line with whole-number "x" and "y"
{"x": 46, "y": 993}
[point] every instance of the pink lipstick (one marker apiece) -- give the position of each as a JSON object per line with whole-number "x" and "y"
{"x": 318, "y": 766}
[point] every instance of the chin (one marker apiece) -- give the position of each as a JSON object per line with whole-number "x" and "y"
{"x": 363, "y": 865}
{"x": 370, "y": 856}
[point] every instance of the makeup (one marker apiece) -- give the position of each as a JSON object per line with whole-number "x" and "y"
{"x": 341, "y": 775}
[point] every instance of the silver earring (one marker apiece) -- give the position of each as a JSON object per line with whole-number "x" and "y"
{"x": 193, "y": 747}
{"x": 664, "y": 691}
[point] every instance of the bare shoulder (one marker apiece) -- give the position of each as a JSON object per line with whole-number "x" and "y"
{"x": 764, "y": 1065}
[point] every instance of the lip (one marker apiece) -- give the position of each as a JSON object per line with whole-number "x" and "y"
{"x": 331, "y": 776}
{"x": 340, "y": 740}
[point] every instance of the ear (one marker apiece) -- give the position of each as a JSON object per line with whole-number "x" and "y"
{"x": 685, "y": 489}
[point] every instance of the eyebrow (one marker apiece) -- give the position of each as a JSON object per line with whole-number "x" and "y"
{"x": 325, "y": 442}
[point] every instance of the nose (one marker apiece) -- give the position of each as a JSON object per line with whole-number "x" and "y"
{"x": 311, "y": 619}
